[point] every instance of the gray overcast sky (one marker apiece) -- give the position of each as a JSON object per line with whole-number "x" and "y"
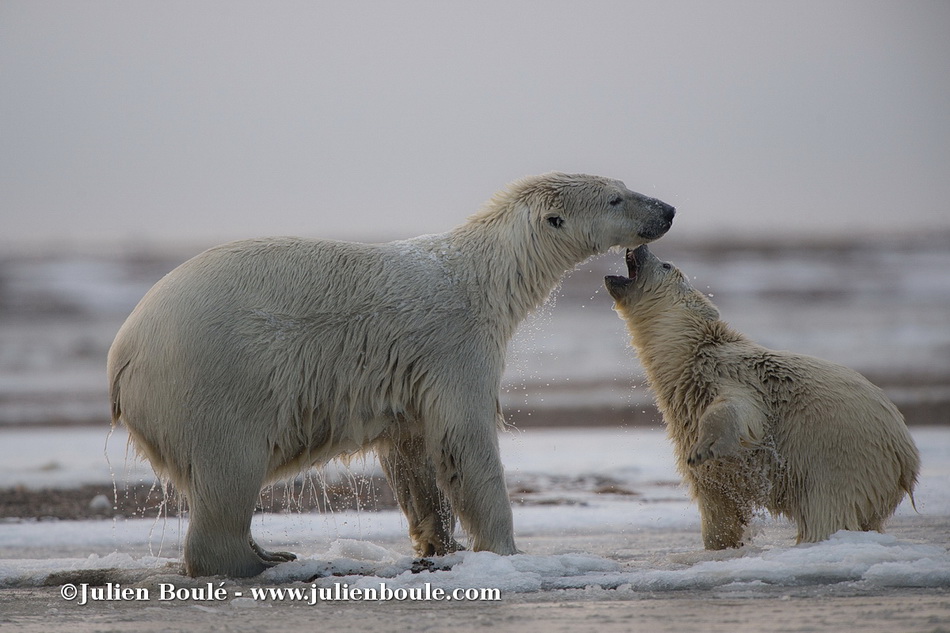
{"x": 205, "y": 121}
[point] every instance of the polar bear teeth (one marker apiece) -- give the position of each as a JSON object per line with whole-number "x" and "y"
{"x": 632, "y": 267}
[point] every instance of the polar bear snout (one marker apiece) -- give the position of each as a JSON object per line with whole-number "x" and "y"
{"x": 667, "y": 211}
{"x": 660, "y": 218}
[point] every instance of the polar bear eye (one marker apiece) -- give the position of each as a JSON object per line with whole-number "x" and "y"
{"x": 667, "y": 266}
{"x": 556, "y": 221}
{"x": 615, "y": 201}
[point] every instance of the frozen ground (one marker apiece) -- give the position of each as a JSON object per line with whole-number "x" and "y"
{"x": 605, "y": 527}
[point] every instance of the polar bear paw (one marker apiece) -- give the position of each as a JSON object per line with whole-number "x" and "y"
{"x": 710, "y": 449}
{"x": 699, "y": 455}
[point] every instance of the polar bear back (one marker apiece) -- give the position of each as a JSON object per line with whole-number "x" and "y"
{"x": 824, "y": 406}
{"x": 287, "y": 328}
{"x": 835, "y": 427}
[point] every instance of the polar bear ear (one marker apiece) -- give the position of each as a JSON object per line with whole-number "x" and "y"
{"x": 555, "y": 220}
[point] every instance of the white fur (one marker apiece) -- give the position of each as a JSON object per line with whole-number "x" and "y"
{"x": 753, "y": 427}
{"x": 259, "y": 358}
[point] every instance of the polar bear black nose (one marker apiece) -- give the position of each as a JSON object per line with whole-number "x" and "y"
{"x": 665, "y": 210}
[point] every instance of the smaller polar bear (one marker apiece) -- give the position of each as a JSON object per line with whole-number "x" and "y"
{"x": 753, "y": 427}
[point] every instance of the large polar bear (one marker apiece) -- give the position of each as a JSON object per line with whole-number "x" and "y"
{"x": 260, "y": 358}
{"x": 753, "y": 427}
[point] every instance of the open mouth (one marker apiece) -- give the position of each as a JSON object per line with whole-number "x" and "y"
{"x": 635, "y": 259}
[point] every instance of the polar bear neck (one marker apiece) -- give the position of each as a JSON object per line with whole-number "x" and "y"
{"x": 513, "y": 269}
{"x": 666, "y": 337}
{"x": 670, "y": 342}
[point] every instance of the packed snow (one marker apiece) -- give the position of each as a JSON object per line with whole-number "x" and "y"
{"x": 642, "y": 535}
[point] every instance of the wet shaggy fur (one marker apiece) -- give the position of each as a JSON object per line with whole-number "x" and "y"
{"x": 258, "y": 359}
{"x": 756, "y": 428}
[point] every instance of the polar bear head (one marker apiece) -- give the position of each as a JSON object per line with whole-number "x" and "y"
{"x": 654, "y": 287}
{"x": 578, "y": 213}
{"x": 597, "y": 209}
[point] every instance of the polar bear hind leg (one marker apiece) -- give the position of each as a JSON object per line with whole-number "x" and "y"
{"x": 823, "y": 511}
{"x": 219, "y": 539}
{"x": 272, "y": 557}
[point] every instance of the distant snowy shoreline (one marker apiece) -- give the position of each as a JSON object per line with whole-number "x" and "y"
{"x": 878, "y": 305}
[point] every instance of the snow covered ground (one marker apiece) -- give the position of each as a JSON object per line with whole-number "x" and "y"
{"x": 595, "y": 509}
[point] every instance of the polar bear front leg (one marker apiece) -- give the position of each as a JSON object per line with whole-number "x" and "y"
{"x": 469, "y": 471}
{"x": 413, "y": 479}
{"x": 732, "y": 421}
{"x": 723, "y": 517}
